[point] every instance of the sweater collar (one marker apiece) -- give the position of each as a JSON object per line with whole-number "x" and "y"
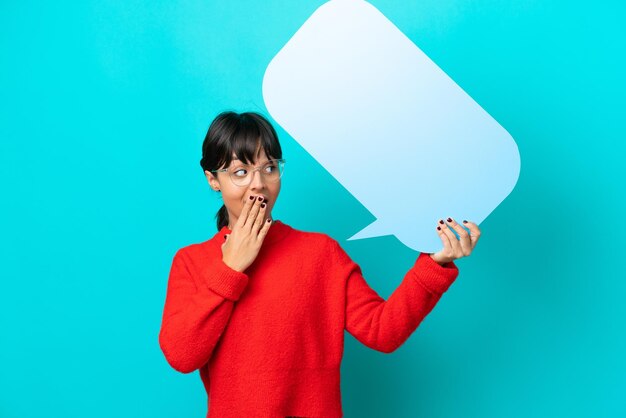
{"x": 278, "y": 230}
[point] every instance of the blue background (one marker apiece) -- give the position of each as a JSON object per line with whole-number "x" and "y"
{"x": 104, "y": 109}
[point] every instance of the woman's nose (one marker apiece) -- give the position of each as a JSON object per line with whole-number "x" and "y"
{"x": 257, "y": 179}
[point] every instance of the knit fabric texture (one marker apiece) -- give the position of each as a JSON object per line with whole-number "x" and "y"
{"x": 268, "y": 342}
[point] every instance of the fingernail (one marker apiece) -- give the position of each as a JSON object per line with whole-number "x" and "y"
{"x": 262, "y": 205}
{"x": 464, "y": 222}
{"x": 224, "y": 236}
{"x": 439, "y": 228}
{"x": 251, "y": 197}
{"x": 449, "y": 219}
{"x": 260, "y": 198}
{"x": 268, "y": 220}
{"x": 441, "y": 221}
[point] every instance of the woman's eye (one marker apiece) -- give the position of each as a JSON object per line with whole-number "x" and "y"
{"x": 270, "y": 168}
{"x": 236, "y": 172}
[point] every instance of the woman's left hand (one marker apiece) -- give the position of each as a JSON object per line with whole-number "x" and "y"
{"x": 454, "y": 248}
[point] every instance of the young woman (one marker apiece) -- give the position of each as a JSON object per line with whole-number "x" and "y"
{"x": 261, "y": 307}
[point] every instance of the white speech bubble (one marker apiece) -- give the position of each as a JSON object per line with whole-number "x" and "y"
{"x": 389, "y": 124}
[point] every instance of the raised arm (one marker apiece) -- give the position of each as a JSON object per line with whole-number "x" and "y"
{"x": 199, "y": 301}
{"x": 384, "y": 325}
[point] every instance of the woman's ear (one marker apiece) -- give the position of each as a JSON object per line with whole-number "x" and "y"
{"x": 213, "y": 182}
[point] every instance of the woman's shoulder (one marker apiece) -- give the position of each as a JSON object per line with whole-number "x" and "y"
{"x": 322, "y": 244}
{"x": 314, "y": 240}
{"x": 199, "y": 248}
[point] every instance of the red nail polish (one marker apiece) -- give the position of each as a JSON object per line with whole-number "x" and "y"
{"x": 464, "y": 222}
{"x": 251, "y": 197}
{"x": 441, "y": 222}
{"x": 439, "y": 228}
{"x": 449, "y": 219}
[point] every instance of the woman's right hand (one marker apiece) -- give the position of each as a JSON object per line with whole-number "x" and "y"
{"x": 244, "y": 242}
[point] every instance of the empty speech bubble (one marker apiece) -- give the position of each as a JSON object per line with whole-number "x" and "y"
{"x": 389, "y": 124}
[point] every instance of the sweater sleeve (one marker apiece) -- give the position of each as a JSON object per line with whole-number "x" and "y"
{"x": 384, "y": 325}
{"x": 198, "y": 305}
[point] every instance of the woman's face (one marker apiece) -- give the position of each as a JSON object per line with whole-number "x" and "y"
{"x": 235, "y": 196}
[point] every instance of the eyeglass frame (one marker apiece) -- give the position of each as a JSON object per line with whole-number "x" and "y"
{"x": 279, "y": 160}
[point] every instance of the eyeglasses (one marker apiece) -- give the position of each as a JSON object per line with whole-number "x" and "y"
{"x": 241, "y": 174}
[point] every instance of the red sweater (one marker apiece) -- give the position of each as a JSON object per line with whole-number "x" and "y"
{"x": 269, "y": 342}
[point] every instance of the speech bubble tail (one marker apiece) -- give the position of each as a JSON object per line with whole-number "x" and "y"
{"x": 375, "y": 229}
